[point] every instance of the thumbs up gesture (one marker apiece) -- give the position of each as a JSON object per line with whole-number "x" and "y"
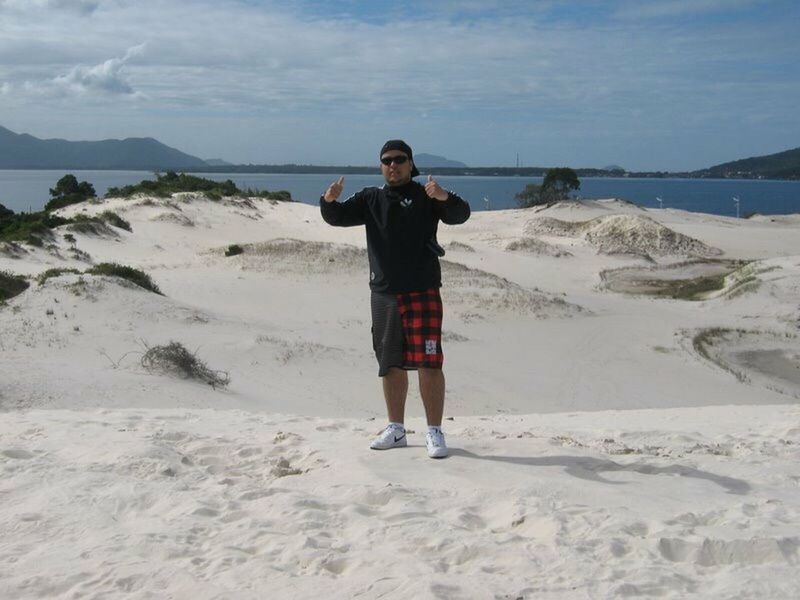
{"x": 434, "y": 190}
{"x": 334, "y": 190}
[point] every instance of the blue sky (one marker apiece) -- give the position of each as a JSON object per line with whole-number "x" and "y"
{"x": 672, "y": 84}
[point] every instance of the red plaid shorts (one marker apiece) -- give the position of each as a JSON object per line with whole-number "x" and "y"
{"x": 407, "y": 330}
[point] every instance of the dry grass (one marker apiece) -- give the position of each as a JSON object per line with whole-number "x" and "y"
{"x": 175, "y": 359}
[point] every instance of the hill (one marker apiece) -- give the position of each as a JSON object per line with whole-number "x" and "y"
{"x": 783, "y": 165}
{"x": 432, "y": 160}
{"x": 23, "y": 151}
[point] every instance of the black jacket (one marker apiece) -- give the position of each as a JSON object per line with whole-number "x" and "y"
{"x": 401, "y": 223}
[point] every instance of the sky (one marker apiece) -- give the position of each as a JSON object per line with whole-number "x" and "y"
{"x": 656, "y": 85}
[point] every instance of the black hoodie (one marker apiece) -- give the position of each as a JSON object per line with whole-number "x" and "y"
{"x": 401, "y": 223}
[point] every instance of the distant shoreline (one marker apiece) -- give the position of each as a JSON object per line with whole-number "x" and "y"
{"x": 446, "y": 171}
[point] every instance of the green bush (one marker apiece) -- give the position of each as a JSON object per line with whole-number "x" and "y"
{"x": 54, "y": 273}
{"x": 233, "y": 250}
{"x": 557, "y": 185}
{"x": 69, "y": 191}
{"x": 172, "y": 183}
{"x": 136, "y": 276}
{"x": 24, "y": 226}
{"x": 11, "y": 285}
{"x": 114, "y": 219}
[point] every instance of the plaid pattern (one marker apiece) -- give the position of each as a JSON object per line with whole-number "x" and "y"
{"x": 421, "y": 318}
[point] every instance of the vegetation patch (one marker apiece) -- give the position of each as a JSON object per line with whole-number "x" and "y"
{"x": 11, "y": 285}
{"x": 30, "y": 228}
{"x": 175, "y": 359}
{"x": 69, "y": 191}
{"x": 114, "y": 219}
{"x": 54, "y": 273}
{"x": 90, "y": 226}
{"x": 531, "y": 245}
{"x": 170, "y": 183}
{"x": 136, "y": 276}
{"x": 233, "y": 250}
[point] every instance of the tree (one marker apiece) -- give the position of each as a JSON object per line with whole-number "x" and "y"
{"x": 5, "y": 213}
{"x": 557, "y": 185}
{"x": 561, "y": 181}
{"x": 69, "y": 191}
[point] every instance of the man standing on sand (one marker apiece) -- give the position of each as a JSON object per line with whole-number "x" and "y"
{"x": 401, "y": 220}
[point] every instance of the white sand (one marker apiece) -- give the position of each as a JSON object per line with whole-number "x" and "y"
{"x": 600, "y": 447}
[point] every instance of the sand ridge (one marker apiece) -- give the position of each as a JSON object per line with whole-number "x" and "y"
{"x": 603, "y": 444}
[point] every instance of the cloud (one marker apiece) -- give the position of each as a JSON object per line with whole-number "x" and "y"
{"x": 679, "y": 8}
{"x": 84, "y": 7}
{"x": 479, "y": 71}
{"x": 104, "y": 78}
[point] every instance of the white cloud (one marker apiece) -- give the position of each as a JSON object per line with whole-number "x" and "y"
{"x": 106, "y": 77}
{"x": 79, "y": 6}
{"x": 270, "y": 63}
{"x": 677, "y": 8}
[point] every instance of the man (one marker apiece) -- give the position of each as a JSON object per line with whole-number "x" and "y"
{"x": 401, "y": 220}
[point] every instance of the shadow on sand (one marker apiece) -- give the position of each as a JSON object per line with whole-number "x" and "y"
{"x": 589, "y": 468}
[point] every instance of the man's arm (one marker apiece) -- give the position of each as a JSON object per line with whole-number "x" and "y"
{"x": 341, "y": 214}
{"x": 451, "y": 208}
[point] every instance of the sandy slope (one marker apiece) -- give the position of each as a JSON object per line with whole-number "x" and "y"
{"x": 604, "y": 445}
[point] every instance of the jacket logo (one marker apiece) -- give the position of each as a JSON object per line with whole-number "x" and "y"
{"x": 405, "y": 202}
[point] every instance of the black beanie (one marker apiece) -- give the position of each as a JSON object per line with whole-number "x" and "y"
{"x": 403, "y": 147}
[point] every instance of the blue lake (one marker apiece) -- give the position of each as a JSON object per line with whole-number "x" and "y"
{"x": 29, "y": 190}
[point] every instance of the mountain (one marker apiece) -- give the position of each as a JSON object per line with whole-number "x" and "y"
{"x": 432, "y": 160}
{"x": 783, "y": 165}
{"x": 23, "y": 151}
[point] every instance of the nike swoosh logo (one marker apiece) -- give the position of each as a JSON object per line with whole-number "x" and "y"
{"x": 397, "y": 439}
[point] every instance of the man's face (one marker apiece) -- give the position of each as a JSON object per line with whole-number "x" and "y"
{"x": 396, "y": 173}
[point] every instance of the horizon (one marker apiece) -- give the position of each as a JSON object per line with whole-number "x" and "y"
{"x": 670, "y": 86}
{"x": 608, "y": 168}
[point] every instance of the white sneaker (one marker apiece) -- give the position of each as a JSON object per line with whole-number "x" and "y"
{"x": 392, "y": 437}
{"x": 435, "y": 442}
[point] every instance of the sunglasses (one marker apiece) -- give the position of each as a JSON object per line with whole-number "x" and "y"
{"x": 400, "y": 159}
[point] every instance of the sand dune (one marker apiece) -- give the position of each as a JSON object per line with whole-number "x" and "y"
{"x": 604, "y": 444}
{"x": 625, "y": 234}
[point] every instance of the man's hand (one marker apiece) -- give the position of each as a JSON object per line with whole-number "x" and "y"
{"x": 434, "y": 190}
{"x": 334, "y": 190}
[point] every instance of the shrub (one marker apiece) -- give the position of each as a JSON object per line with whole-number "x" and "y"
{"x": 54, "y": 273}
{"x": 175, "y": 359}
{"x": 171, "y": 183}
{"x": 136, "y": 276}
{"x": 69, "y": 191}
{"x": 114, "y": 219}
{"x": 24, "y": 226}
{"x": 233, "y": 250}
{"x": 280, "y": 195}
{"x": 11, "y": 285}
{"x": 556, "y": 186}
{"x": 90, "y": 226}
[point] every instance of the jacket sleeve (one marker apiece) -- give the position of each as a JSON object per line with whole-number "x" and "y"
{"x": 452, "y": 211}
{"x": 349, "y": 213}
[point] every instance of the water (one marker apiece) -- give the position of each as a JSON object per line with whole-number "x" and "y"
{"x": 29, "y": 190}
